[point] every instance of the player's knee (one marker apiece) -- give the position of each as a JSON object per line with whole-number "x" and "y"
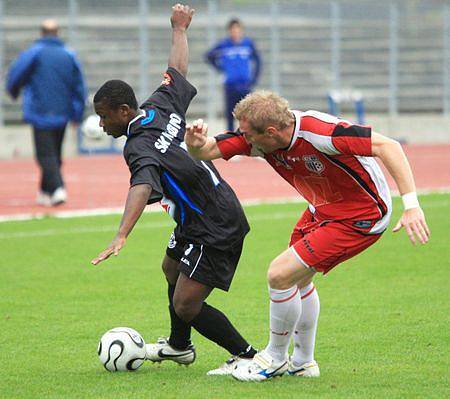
{"x": 185, "y": 309}
{"x": 276, "y": 278}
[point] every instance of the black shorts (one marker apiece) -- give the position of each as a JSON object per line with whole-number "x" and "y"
{"x": 207, "y": 265}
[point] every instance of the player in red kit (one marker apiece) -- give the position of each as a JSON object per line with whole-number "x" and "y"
{"x": 330, "y": 162}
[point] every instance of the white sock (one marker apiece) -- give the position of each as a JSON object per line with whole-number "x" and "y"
{"x": 285, "y": 309}
{"x": 305, "y": 330}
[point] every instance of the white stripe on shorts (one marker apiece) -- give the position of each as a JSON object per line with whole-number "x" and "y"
{"x": 304, "y": 264}
{"x": 198, "y": 260}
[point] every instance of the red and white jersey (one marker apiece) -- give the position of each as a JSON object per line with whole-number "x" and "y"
{"x": 329, "y": 162}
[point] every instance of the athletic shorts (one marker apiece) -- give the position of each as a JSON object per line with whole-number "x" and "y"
{"x": 322, "y": 246}
{"x": 207, "y": 265}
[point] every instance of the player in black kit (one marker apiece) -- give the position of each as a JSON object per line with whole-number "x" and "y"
{"x": 206, "y": 245}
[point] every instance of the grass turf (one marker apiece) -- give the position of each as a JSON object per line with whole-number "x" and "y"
{"x": 383, "y": 329}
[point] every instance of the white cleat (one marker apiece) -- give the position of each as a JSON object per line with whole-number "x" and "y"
{"x": 58, "y": 197}
{"x": 43, "y": 199}
{"x": 308, "y": 370}
{"x": 228, "y": 367}
{"x": 261, "y": 368}
{"x": 163, "y": 351}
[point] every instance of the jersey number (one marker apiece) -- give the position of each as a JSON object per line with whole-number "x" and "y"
{"x": 316, "y": 190}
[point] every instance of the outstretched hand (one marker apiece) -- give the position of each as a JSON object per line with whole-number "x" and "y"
{"x": 413, "y": 220}
{"x": 113, "y": 248}
{"x": 196, "y": 134}
{"x": 181, "y": 16}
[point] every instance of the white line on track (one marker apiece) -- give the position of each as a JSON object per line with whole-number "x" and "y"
{"x": 157, "y": 208}
{"x": 119, "y": 210}
{"x": 157, "y": 225}
{"x": 139, "y": 226}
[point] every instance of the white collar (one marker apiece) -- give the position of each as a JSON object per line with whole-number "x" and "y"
{"x": 140, "y": 114}
{"x": 297, "y": 116}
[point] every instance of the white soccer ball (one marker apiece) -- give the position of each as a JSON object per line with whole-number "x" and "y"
{"x": 121, "y": 349}
{"x": 91, "y": 127}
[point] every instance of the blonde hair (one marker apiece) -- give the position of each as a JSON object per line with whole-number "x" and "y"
{"x": 262, "y": 109}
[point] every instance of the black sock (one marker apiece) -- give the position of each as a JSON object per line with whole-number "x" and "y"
{"x": 215, "y": 326}
{"x": 250, "y": 351}
{"x": 180, "y": 331}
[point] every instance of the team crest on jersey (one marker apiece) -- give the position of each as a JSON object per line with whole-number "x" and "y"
{"x": 313, "y": 164}
{"x": 280, "y": 161}
{"x": 172, "y": 242}
{"x": 167, "y": 79}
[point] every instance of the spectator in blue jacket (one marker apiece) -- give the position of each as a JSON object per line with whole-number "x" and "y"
{"x": 54, "y": 94}
{"x": 237, "y": 58}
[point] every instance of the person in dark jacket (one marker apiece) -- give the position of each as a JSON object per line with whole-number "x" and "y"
{"x": 54, "y": 95}
{"x": 238, "y": 59}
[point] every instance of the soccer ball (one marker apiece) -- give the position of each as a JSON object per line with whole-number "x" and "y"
{"x": 121, "y": 349}
{"x": 91, "y": 127}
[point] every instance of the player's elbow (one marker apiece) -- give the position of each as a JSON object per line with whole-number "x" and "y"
{"x": 391, "y": 147}
{"x": 384, "y": 146}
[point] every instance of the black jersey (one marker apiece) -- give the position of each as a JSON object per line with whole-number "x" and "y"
{"x": 204, "y": 206}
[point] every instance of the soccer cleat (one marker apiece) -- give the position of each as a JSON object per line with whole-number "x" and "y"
{"x": 163, "y": 351}
{"x": 308, "y": 370}
{"x": 228, "y": 367}
{"x": 261, "y": 368}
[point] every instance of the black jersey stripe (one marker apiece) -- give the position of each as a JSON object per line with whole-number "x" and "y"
{"x": 360, "y": 181}
{"x": 352, "y": 131}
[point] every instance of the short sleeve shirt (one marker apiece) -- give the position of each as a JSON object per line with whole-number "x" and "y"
{"x": 203, "y": 205}
{"x": 329, "y": 162}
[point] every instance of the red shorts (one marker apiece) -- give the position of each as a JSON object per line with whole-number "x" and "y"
{"x": 323, "y": 246}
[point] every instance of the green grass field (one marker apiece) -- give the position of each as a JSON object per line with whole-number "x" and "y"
{"x": 383, "y": 330}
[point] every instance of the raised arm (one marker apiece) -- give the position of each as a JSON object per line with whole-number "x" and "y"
{"x": 391, "y": 154}
{"x": 199, "y": 145}
{"x": 179, "y": 51}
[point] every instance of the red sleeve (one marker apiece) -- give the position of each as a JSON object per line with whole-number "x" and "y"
{"x": 352, "y": 139}
{"x": 231, "y": 144}
{"x": 332, "y": 135}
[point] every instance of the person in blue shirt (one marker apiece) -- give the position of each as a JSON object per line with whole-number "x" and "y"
{"x": 238, "y": 59}
{"x": 54, "y": 95}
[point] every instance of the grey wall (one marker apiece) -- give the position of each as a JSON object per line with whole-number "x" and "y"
{"x": 395, "y": 58}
